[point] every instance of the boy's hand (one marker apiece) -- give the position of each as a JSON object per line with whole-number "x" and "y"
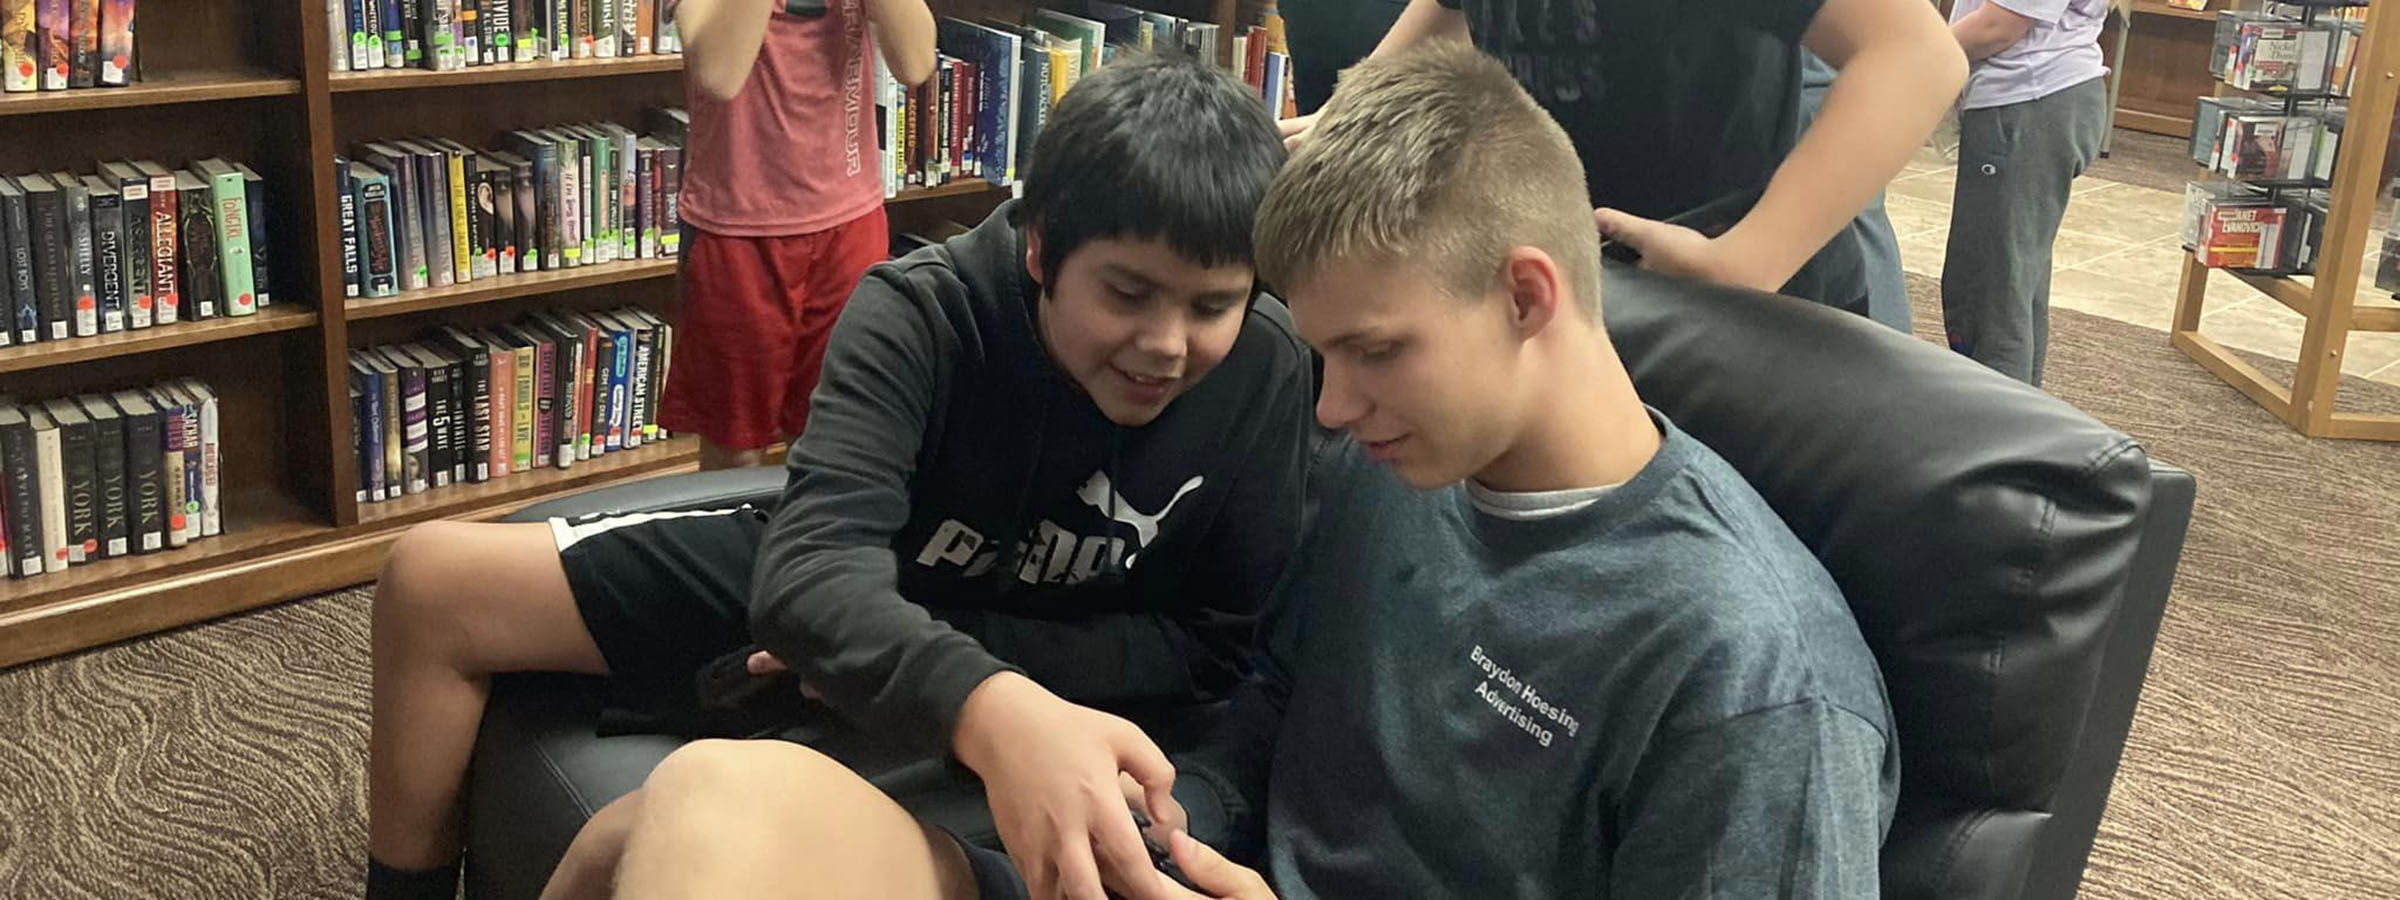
{"x": 764, "y": 663}
{"x": 1050, "y": 771}
{"x": 1676, "y": 250}
{"x": 1212, "y": 872}
{"x": 1295, "y": 130}
{"x": 1164, "y": 821}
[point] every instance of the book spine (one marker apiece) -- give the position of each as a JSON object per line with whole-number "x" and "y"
{"x": 358, "y": 437}
{"x": 144, "y": 469}
{"x": 254, "y": 194}
{"x": 670, "y": 226}
{"x": 20, "y": 53}
{"x": 165, "y": 251}
{"x": 108, "y": 468}
{"x": 479, "y": 374}
{"x": 640, "y": 427}
{"x": 212, "y": 512}
{"x": 346, "y": 213}
{"x": 645, "y": 178}
{"x": 462, "y": 429}
{"x": 51, "y": 264}
{"x": 504, "y": 409}
{"x": 522, "y": 398}
{"x": 203, "y": 284}
{"x": 490, "y": 243}
{"x": 416, "y": 441}
{"x": 570, "y": 200}
{"x": 603, "y": 371}
{"x": 371, "y": 462}
{"x": 629, "y": 196}
{"x": 116, "y": 42}
{"x": 140, "y": 301}
{"x": 84, "y": 55}
{"x": 365, "y": 40}
{"x": 108, "y": 258}
{"x": 83, "y": 505}
{"x": 507, "y": 258}
{"x": 587, "y": 356}
{"x": 195, "y": 497}
{"x": 527, "y": 194}
{"x": 171, "y": 474}
{"x": 50, "y": 469}
{"x": 53, "y": 38}
{"x": 604, "y": 28}
{"x": 17, "y": 240}
{"x": 620, "y": 399}
{"x": 21, "y": 490}
{"x": 233, "y": 242}
{"x": 474, "y": 34}
{"x": 545, "y": 404}
{"x": 380, "y": 275}
{"x": 462, "y": 250}
{"x": 403, "y": 42}
{"x": 81, "y": 267}
{"x": 439, "y": 403}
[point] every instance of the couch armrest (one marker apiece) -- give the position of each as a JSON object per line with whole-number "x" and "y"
{"x": 759, "y": 486}
{"x": 2057, "y": 870}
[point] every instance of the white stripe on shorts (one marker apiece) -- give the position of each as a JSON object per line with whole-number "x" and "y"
{"x": 566, "y": 532}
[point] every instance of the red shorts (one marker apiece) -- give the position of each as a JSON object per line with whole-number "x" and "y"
{"x": 756, "y": 314}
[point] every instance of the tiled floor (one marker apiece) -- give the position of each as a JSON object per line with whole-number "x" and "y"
{"x": 2117, "y": 255}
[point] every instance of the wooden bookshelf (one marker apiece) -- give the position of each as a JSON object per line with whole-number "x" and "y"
{"x": 250, "y": 80}
{"x": 2329, "y": 299}
{"x": 44, "y": 354}
{"x": 163, "y": 90}
{"x": 673, "y": 454}
{"x": 508, "y": 287}
{"x": 403, "y": 79}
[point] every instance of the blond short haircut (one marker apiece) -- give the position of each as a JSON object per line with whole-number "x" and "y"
{"x": 1433, "y": 158}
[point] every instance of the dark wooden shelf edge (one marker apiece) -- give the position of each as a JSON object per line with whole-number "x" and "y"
{"x": 495, "y": 498}
{"x": 44, "y": 354}
{"x": 507, "y": 287}
{"x": 200, "y": 88}
{"x": 322, "y": 561}
{"x": 413, "y": 78}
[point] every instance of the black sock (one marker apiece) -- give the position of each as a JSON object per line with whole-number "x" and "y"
{"x": 388, "y": 883}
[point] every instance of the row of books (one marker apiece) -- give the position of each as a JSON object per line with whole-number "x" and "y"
{"x": 2256, "y": 140}
{"x": 428, "y": 213}
{"x": 456, "y": 34}
{"x": 2236, "y": 226}
{"x": 53, "y": 45}
{"x": 994, "y": 83}
{"x": 2260, "y": 51}
{"x": 134, "y": 245}
{"x": 465, "y": 407}
{"x": 99, "y": 476}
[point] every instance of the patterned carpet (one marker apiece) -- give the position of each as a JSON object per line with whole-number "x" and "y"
{"x": 225, "y": 761}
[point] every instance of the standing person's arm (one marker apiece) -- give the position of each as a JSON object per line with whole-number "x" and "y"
{"x": 1421, "y": 21}
{"x": 721, "y": 40}
{"x": 904, "y": 32}
{"x": 1993, "y": 27}
{"x": 1900, "y": 69}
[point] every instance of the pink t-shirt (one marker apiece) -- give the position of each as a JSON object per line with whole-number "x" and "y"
{"x": 794, "y": 151}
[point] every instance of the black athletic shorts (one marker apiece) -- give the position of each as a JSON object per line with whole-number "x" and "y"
{"x": 663, "y": 595}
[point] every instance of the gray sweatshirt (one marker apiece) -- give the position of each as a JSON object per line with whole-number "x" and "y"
{"x": 1659, "y": 695}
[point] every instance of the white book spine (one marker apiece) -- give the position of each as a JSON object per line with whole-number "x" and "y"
{"x": 51, "y": 471}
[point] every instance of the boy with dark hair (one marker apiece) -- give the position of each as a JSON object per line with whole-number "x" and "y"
{"x": 1546, "y": 645}
{"x": 1054, "y": 461}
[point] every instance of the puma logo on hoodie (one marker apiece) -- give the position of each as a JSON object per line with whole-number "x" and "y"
{"x": 1052, "y": 554}
{"x": 1103, "y": 497}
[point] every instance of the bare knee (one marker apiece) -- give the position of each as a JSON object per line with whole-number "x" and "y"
{"x": 415, "y": 605}
{"x": 731, "y": 772}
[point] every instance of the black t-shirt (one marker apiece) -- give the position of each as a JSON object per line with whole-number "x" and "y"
{"x": 1670, "y": 105}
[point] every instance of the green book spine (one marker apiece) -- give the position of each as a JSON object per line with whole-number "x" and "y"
{"x": 233, "y": 238}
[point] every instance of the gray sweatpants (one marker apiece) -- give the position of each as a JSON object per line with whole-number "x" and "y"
{"x": 2016, "y": 165}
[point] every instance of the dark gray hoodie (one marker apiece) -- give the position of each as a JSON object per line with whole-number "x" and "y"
{"x": 958, "y": 507}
